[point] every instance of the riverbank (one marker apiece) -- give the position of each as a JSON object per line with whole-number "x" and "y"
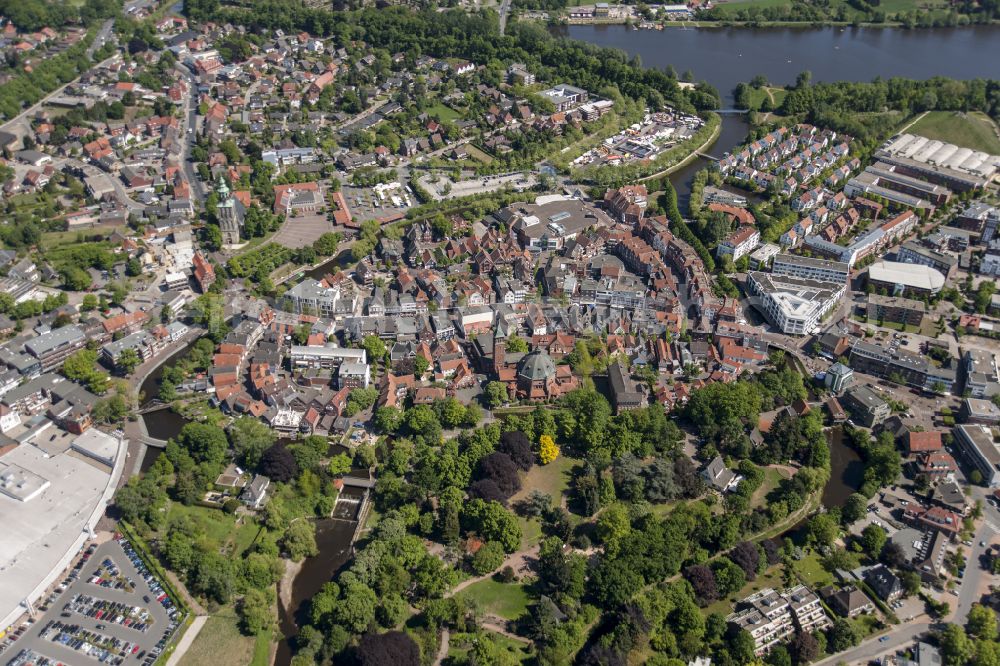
{"x": 753, "y": 25}
{"x": 695, "y": 154}
{"x": 287, "y": 583}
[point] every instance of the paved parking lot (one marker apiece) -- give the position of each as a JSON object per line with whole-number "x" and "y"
{"x": 366, "y": 205}
{"x": 446, "y": 188}
{"x": 159, "y": 621}
{"x": 302, "y": 230}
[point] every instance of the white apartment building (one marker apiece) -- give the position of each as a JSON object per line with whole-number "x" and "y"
{"x": 793, "y": 305}
{"x": 740, "y": 243}
{"x": 809, "y": 268}
{"x": 770, "y": 617}
{"x": 311, "y": 297}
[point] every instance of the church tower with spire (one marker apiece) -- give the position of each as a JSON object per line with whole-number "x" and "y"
{"x": 230, "y": 214}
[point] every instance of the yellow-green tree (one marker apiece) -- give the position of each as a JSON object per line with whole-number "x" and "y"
{"x": 547, "y": 449}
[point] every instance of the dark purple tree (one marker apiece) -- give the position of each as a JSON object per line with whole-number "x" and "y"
{"x": 516, "y": 445}
{"x": 747, "y": 557}
{"x": 487, "y": 490}
{"x": 278, "y": 464}
{"x": 803, "y": 648}
{"x": 499, "y": 468}
{"x": 772, "y": 550}
{"x": 703, "y": 583}
{"x": 393, "y": 648}
{"x": 686, "y": 476}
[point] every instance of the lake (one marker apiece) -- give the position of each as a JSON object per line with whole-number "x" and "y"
{"x": 726, "y": 56}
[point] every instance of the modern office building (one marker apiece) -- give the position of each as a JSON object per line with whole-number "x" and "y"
{"x": 973, "y": 411}
{"x": 52, "y": 348}
{"x": 329, "y": 356}
{"x": 311, "y": 297}
{"x": 838, "y": 377}
{"x": 912, "y": 253}
{"x": 896, "y": 310}
{"x": 982, "y": 378}
{"x": 810, "y": 268}
{"x": 975, "y": 443}
{"x": 793, "y": 305}
{"x": 866, "y": 406}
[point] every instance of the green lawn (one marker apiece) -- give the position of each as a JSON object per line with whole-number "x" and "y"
{"x": 51, "y": 239}
{"x": 866, "y": 625}
{"x": 477, "y": 154}
{"x": 531, "y": 531}
{"x": 506, "y": 600}
{"x": 772, "y": 477}
{"x": 443, "y": 113}
{"x": 736, "y": 5}
{"x": 812, "y": 572}
{"x": 552, "y": 479}
{"x": 220, "y": 643}
{"x": 888, "y": 6}
{"x": 461, "y": 644}
{"x": 262, "y": 649}
{"x": 219, "y": 528}
{"x": 971, "y": 130}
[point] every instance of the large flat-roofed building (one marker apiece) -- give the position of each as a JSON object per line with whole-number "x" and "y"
{"x": 899, "y": 279}
{"x": 939, "y": 162}
{"x": 982, "y": 378}
{"x": 20, "y": 484}
{"x": 811, "y": 268}
{"x": 979, "y": 411}
{"x": 911, "y": 368}
{"x": 762, "y": 256}
{"x": 564, "y": 96}
{"x": 975, "y": 442}
{"x": 793, "y": 305}
{"x": 896, "y": 310}
{"x": 52, "y": 348}
{"x": 551, "y": 221}
{"x": 894, "y": 188}
{"x": 912, "y": 253}
{"x": 766, "y": 616}
{"x": 98, "y": 445}
{"x": 866, "y": 406}
{"x": 50, "y": 506}
{"x": 329, "y": 356}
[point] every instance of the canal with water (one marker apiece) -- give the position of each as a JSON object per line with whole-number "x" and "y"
{"x": 847, "y": 470}
{"x": 334, "y": 540}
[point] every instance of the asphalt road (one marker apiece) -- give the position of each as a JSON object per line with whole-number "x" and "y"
{"x": 101, "y": 38}
{"x": 972, "y": 587}
{"x": 189, "y": 127}
{"x": 902, "y": 637}
{"x": 504, "y": 11}
{"x": 33, "y": 641}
